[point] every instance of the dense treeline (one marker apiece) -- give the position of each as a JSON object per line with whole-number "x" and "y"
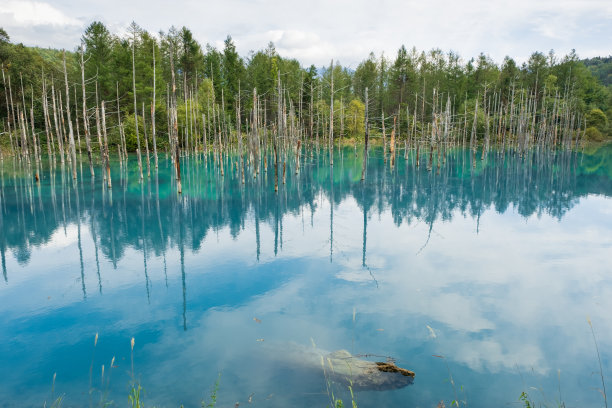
{"x": 214, "y": 92}
{"x": 601, "y": 67}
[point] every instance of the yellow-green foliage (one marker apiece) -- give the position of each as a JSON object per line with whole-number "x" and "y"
{"x": 354, "y": 118}
{"x": 594, "y": 135}
{"x": 596, "y": 118}
{"x": 206, "y": 95}
{"x": 129, "y": 128}
{"x": 321, "y": 108}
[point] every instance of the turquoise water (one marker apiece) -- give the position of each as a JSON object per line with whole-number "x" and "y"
{"x": 484, "y": 274}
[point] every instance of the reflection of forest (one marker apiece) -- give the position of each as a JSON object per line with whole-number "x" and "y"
{"x": 154, "y": 217}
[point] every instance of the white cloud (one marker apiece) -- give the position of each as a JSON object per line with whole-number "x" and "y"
{"x": 34, "y": 13}
{"x": 315, "y": 32}
{"x": 303, "y": 45}
{"x": 40, "y": 24}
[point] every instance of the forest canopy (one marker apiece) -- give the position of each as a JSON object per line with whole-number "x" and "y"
{"x": 206, "y": 77}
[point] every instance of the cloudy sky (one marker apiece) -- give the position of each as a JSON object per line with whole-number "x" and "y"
{"x": 315, "y": 31}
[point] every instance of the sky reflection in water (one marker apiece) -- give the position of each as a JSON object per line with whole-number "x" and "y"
{"x": 494, "y": 267}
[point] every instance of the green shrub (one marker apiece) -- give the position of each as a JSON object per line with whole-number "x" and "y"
{"x": 597, "y": 119}
{"x": 593, "y": 135}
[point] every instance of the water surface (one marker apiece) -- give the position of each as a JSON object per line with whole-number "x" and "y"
{"x": 481, "y": 272}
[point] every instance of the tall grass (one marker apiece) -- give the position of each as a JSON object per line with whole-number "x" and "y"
{"x": 603, "y": 383}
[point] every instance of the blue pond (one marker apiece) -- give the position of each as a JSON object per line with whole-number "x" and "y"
{"x": 478, "y": 275}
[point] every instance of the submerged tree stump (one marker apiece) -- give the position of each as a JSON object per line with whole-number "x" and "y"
{"x": 342, "y": 366}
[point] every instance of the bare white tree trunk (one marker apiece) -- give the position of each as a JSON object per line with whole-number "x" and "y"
{"x": 70, "y": 132}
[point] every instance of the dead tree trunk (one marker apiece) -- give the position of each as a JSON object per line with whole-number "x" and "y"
{"x": 367, "y": 136}
{"x": 8, "y": 111}
{"x": 177, "y": 158}
{"x": 85, "y": 121}
{"x": 70, "y": 132}
{"x": 331, "y": 118}
{"x": 58, "y": 130}
{"x": 153, "y": 113}
{"x": 135, "y": 106}
{"x": 107, "y": 156}
{"x": 146, "y": 140}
